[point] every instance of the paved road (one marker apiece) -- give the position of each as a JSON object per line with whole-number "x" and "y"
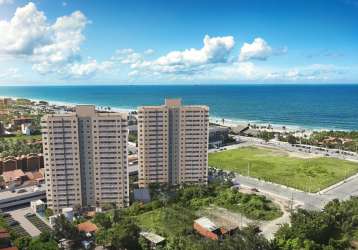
{"x": 307, "y": 200}
{"x": 342, "y": 190}
{"x": 313, "y": 201}
{"x": 19, "y": 215}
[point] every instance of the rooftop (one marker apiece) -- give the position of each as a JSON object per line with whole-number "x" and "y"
{"x": 12, "y": 175}
{"x": 206, "y": 223}
{"x": 87, "y": 227}
{"x": 152, "y": 237}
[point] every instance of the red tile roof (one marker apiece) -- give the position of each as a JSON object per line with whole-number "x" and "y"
{"x": 87, "y": 227}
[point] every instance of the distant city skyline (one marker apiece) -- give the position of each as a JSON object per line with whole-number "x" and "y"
{"x": 175, "y": 42}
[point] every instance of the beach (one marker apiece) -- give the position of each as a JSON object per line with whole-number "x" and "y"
{"x": 295, "y": 108}
{"x": 62, "y": 106}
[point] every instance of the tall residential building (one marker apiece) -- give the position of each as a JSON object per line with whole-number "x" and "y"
{"x": 173, "y": 143}
{"x": 85, "y": 156}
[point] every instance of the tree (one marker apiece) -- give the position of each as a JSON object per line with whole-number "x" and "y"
{"x": 48, "y": 212}
{"x": 64, "y": 229}
{"x": 117, "y": 216}
{"x": 125, "y": 235}
{"x": 103, "y": 220}
{"x": 291, "y": 139}
{"x": 332, "y": 228}
{"x": 266, "y": 136}
{"x": 23, "y": 242}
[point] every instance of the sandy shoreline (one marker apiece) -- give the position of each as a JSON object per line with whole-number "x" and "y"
{"x": 217, "y": 120}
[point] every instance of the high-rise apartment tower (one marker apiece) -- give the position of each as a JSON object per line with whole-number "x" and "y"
{"x": 173, "y": 144}
{"x": 85, "y": 156}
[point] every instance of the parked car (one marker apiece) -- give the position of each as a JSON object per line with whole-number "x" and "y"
{"x": 13, "y": 223}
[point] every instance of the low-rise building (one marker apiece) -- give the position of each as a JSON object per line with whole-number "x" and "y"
{"x": 14, "y": 177}
{"x": 38, "y": 206}
{"x": 218, "y": 136}
{"x": 26, "y": 129}
{"x": 87, "y": 227}
{"x": 207, "y": 228}
{"x": 5, "y": 238}
{"x": 30, "y": 162}
{"x": 8, "y": 164}
{"x": 214, "y": 230}
{"x": 153, "y": 239}
{"x": 21, "y": 120}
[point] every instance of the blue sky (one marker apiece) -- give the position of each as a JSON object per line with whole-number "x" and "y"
{"x": 273, "y": 41}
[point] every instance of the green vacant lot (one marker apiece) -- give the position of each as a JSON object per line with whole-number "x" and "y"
{"x": 168, "y": 221}
{"x": 277, "y": 166}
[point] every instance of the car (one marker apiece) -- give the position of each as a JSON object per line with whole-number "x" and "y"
{"x": 21, "y": 191}
{"x": 29, "y": 214}
{"x": 13, "y": 223}
{"x": 254, "y": 190}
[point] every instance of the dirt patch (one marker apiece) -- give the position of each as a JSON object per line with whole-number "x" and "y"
{"x": 302, "y": 155}
{"x": 276, "y": 151}
{"x": 225, "y": 218}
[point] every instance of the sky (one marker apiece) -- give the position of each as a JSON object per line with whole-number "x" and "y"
{"x": 174, "y": 42}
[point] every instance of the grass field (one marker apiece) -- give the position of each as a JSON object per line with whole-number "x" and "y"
{"x": 277, "y": 166}
{"x": 24, "y": 137}
{"x": 168, "y": 221}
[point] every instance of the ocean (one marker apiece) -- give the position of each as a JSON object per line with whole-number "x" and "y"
{"x": 304, "y": 106}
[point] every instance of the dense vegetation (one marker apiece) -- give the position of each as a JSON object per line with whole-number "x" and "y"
{"x": 351, "y": 136}
{"x": 171, "y": 214}
{"x": 334, "y": 228}
{"x": 117, "y": 231}
{"x": 346, "y": 140}
{"x": 19, "y": 145}
{"x": 277, "y": 166}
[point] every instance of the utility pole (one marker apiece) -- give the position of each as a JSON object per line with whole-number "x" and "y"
{"x": 291, "y": 203}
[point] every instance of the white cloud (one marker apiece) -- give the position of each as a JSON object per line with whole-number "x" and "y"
{"x": 3, "y": 2}
{"x": 257, "y": 50}
{"x": 51, "y": 48}
{"x": 64, "y": 46}
{"x": 149, "y": 52}
{"x": 314, "y": 72}
{"x": 26, "y": 30}
{"x": 89, "y": 69}
{"x": 215, "y": 50}
{"x": 127, "y": 56}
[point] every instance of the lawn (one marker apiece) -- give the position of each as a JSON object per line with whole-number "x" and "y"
{"x": 277, "y": 166}
{"x": 167, "y": 221}
{"x": 27, "y": 138}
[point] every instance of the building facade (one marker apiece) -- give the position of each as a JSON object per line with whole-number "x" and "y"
{"x": 173, "y": 143}
{"x": 85, "y": 156}
{"x": 30, "y": 162}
